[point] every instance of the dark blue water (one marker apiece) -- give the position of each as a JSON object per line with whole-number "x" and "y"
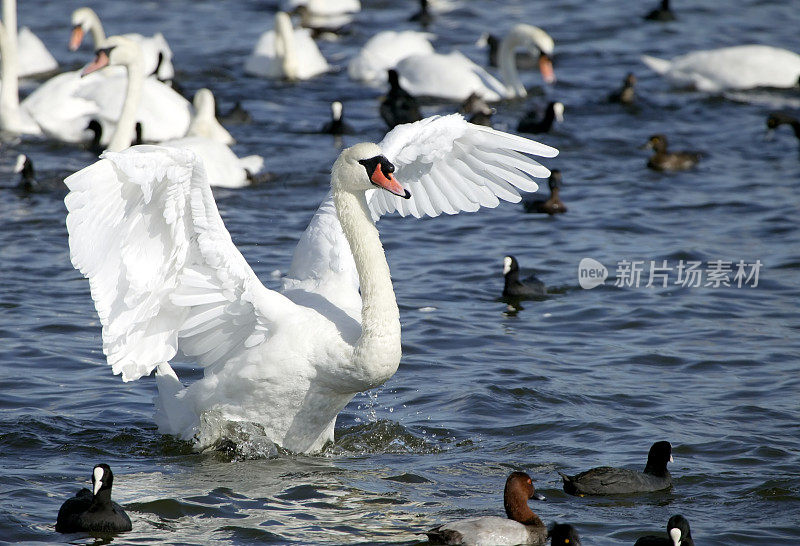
{"x": 578, "y": 379}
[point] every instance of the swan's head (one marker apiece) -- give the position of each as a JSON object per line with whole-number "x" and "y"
{"x": 363, "y": 167}
{"x": 536, "y": 40}
{"x": 203, "y": 103}
{"x": 116, "y": 50}
{"x": 83, "y": 19}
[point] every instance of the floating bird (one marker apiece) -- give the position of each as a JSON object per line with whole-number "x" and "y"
{"x": 287, "y": 361}
{"x": 236, "y": 115}
{"x": 551, "y": 205}
{"x": 521, "y": 526}
{"x": 607, "y": 480}
{"x": 477, "y": 111}
{"x": 27, "y": 178}
{"x": 337, "y": 125}
{"x": 455, "y": 77}
{"x": 94, "y": 511}
{"x": 523, "y": 60}
{"x": 661, "y": 13}
{"x": 776, "y": 119}
{"x": 678, "y": 531}
{"x": 384, "y": 50}
{"x": 737, "y": 67}
{"x": 156, "y": 53}
{"x": 204, "y": 121}
{"x": 424, "y": 17}
{"x": 563, "y": 534}
{"x": 532, "y": 123}
{"x": 662, "y": 160}
{"x": 626, "y": 94}
{"x": 286, "y": 53}
{"x": 222, "y": 166}
{"x": 398, "y": 106}
{"x": 13, "y": 118}
{"x": 514, "y": 288}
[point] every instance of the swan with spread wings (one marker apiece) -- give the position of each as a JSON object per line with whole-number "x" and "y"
{"x": 165, "y": 276}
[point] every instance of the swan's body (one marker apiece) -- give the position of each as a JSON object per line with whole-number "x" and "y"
{"x": 455, "y": 77}
{"x": 156, "y": 53}
{"x": 384, "y": 50}
{"x": 286, "y": 53}
{"x": 290, "y": 361}
{"x": 324, "y": 7}
{"x": 222, "y": 166}
{"x": 13, "y": 119}
{"x": 33, "y": 55}
{"x": 204, "y": 122}
{"x": 63, "y": 106}
{"x": 738, "y": 67}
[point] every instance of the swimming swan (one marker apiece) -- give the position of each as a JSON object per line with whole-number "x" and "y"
{"x": 286, "y": 53}
{"x": 222, "y": 166}
{"x": 455, "y": 77}
{"x": 738, "y": 67}
{"x": 287, "y": 361}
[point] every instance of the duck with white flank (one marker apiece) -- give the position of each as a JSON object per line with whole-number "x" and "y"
{"x": 521, "y": 526}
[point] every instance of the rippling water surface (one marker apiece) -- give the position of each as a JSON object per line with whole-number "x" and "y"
{"x": 578, "y": 379}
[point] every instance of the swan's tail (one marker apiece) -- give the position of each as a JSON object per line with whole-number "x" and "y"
{"x": 173, "y": 413}
{"x": 659, "y": 66}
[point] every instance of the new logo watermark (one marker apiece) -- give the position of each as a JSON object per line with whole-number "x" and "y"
{"x": 683, "y": 273}
{"x": 591, "y": 273}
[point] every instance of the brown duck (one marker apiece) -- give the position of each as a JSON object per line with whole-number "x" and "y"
{"x": 662, "y": 160}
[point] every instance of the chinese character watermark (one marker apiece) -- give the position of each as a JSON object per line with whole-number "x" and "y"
{"x": 663, "y": 274}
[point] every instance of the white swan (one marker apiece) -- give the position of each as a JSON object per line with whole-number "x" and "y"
{"x": 155, "y": 49}
{"x": 738, "y": 67}
{"x": 222, "y": 166}
{"x": 13, "y": 119}
{"x": 34, "y": 58}
{"x": 286, "y": 53}
{"x": 455, "y": 77}
{"x": 384, "y": 50}
{"x": 165, "y": 276}
{"x": 204, "y": 121}
{"x": 63, "y": 106}
{"x": 324, "y": 7}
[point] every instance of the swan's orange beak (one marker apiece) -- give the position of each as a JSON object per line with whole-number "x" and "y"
{"x": 388, "y": 182}
{"x": 99, "y": 62}
{"x": 546, "y": 68}
{"x": 76, "y": 37}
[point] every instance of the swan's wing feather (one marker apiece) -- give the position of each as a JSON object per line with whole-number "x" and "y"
{"x": 163, "y": 271}
{"x": 450, "y": 165}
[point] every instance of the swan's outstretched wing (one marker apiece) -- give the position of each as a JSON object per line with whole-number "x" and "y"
{"x": 450, "y": 165}
{"x": 163, "y": 271}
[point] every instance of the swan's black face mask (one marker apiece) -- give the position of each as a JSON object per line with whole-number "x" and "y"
{"x": 379, "y": 170}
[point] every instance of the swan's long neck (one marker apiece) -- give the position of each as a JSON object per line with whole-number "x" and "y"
{"x": 96, "y": 28}
{"x": 284, "y": 45}
{"x": 508, "y": 63}
{"x": 126, "y": 125}
{"x": 9, "y": 93}
{"x": 377, "y": 353}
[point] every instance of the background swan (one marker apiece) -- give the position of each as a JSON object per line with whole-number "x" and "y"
{"x": 222, "y": 166}
{"x": 64, "y": 105}
{"x": 286, "y": 53}
{"x": 13, "y": 119}
{"x": 290, "y": 361}
{"x": 34, "y": 58}
{"x": 455, "y": 77}
{"x": 204, "y": 121}
{"x": 384, "y": 50}
{"x": 324, "y": 7}
{"x": 738, "y": 67}
{"x": 156, "y": 52}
